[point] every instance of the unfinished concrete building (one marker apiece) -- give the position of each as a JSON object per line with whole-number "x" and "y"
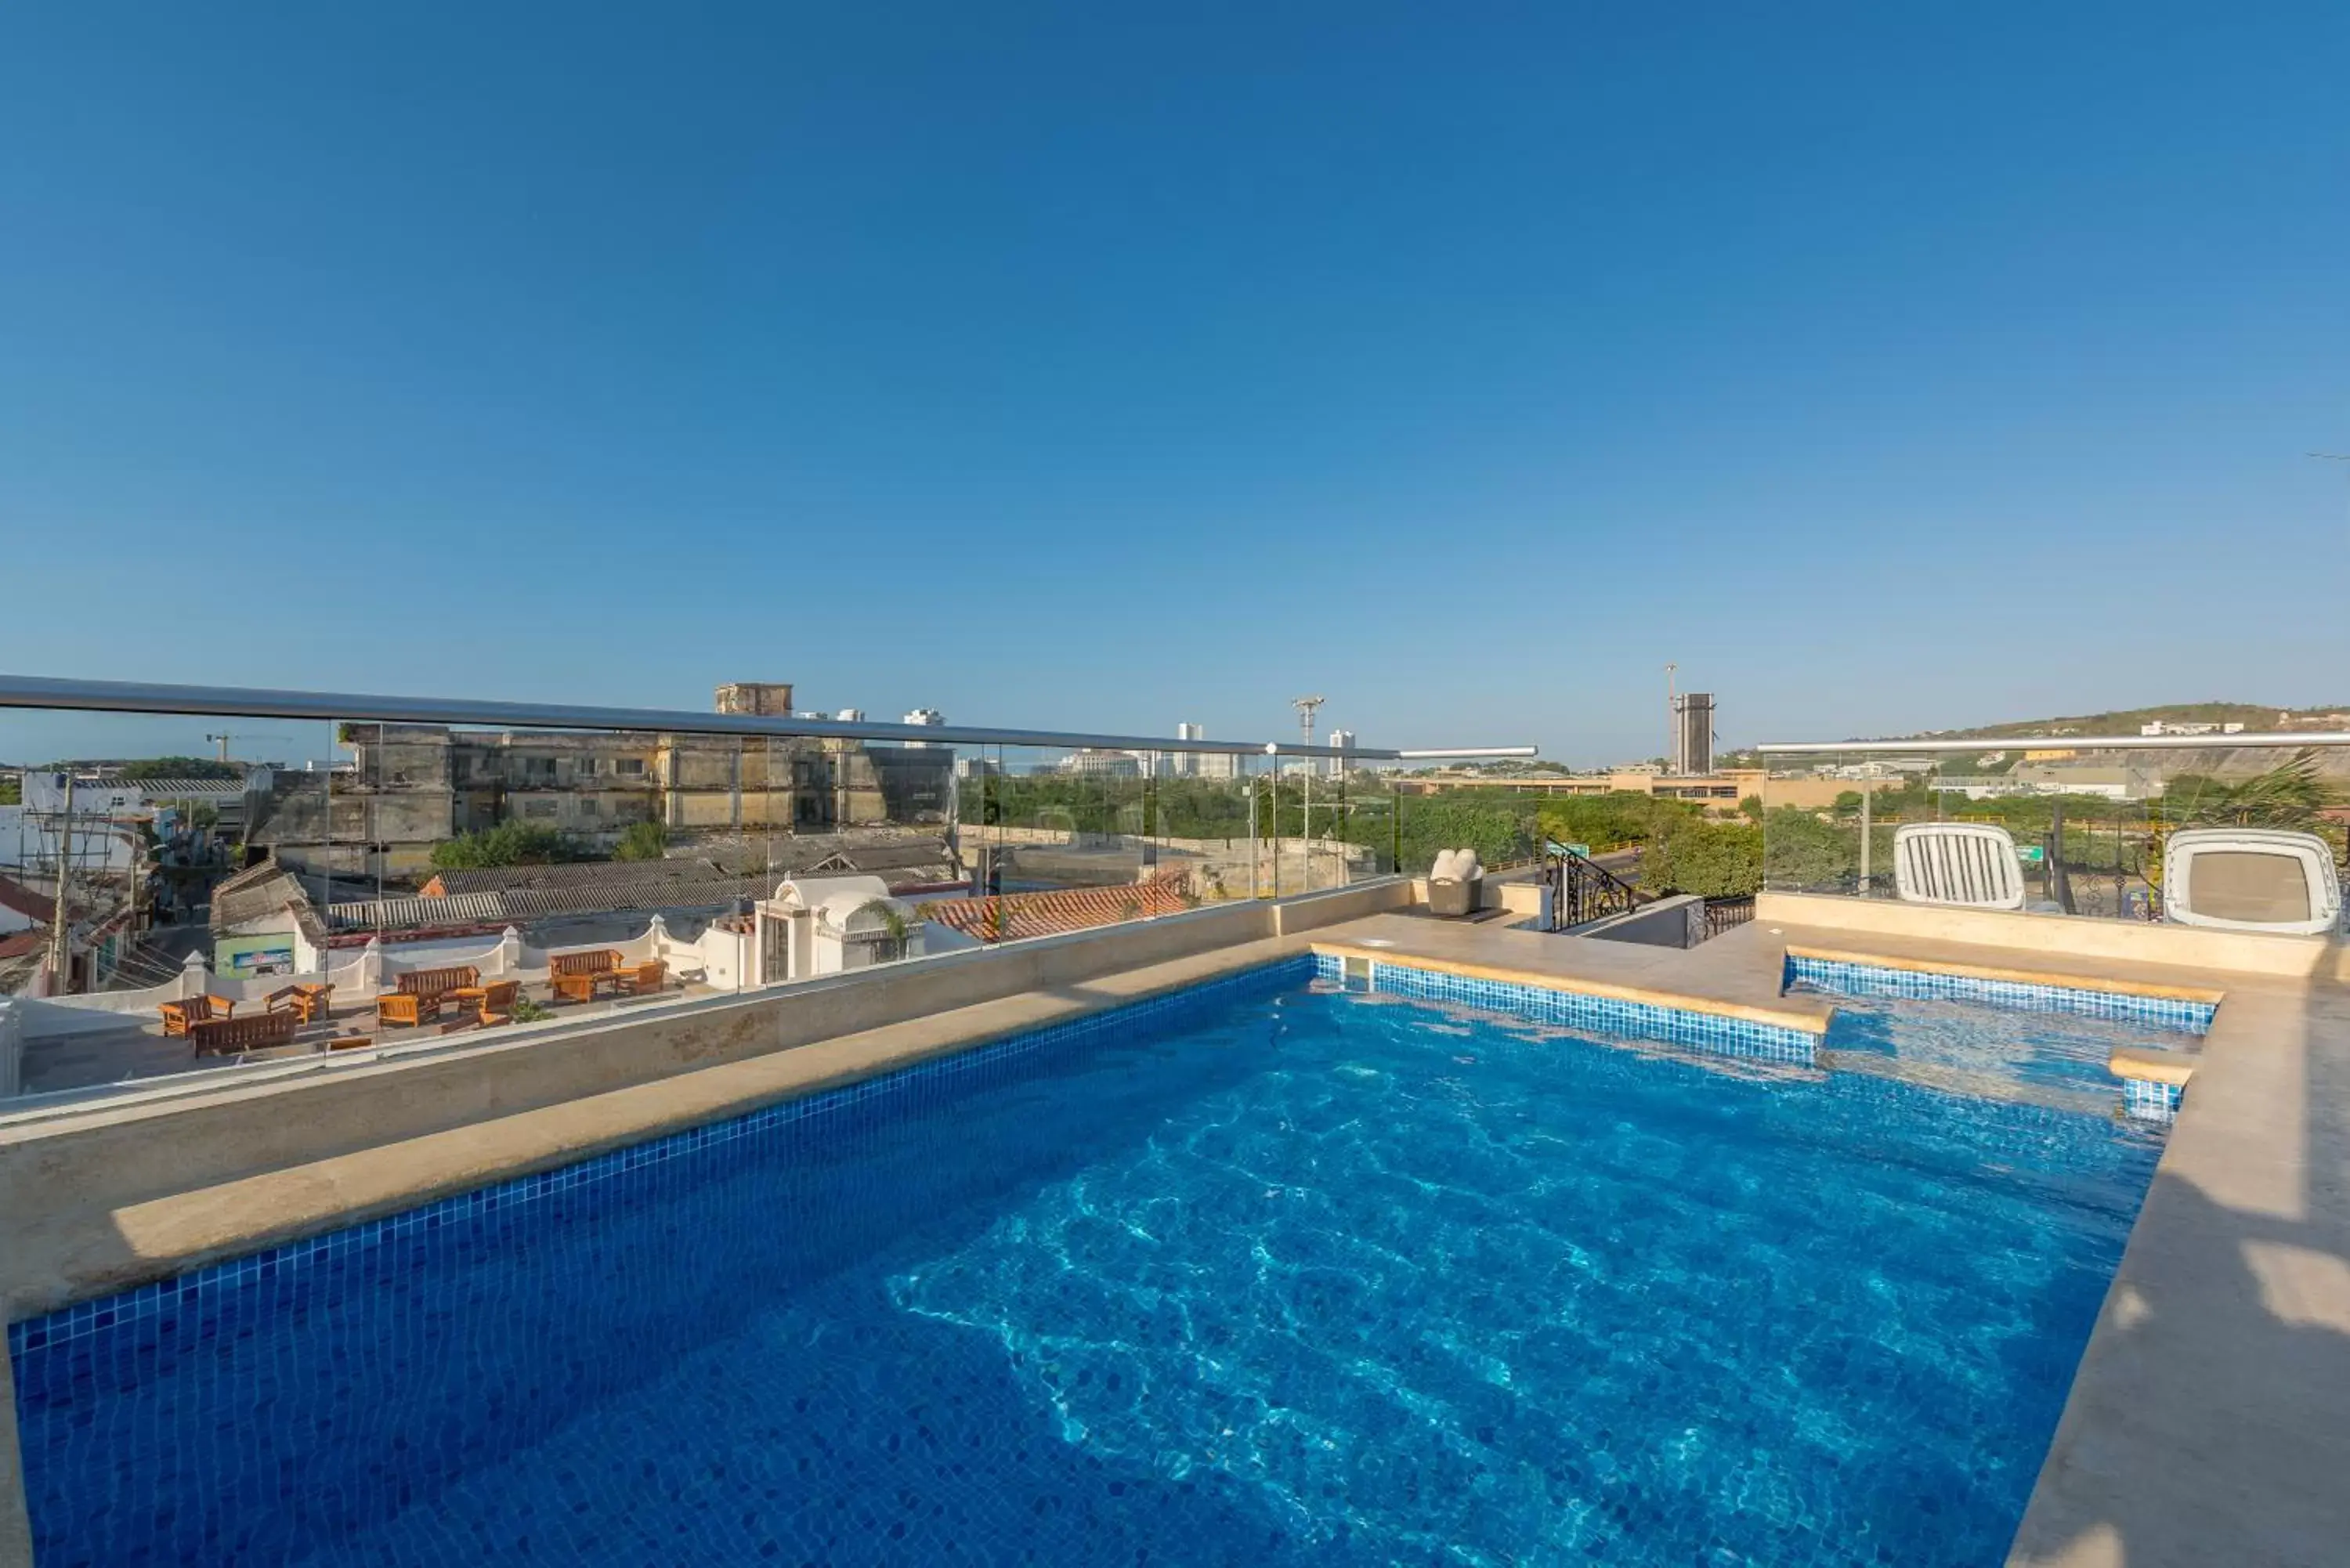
{"x": 411, "y": 787}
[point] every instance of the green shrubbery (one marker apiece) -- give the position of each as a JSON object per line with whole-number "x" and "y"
{"x": 643, "y": 841}
{"x": 1713, "y": 859}
{"x": 508, "y": 844}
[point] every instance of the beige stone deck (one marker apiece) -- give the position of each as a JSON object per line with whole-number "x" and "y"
{"x": 2210, "y": 1421}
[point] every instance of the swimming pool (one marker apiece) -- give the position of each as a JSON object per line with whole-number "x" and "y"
{"x": 1264, "y": 1272}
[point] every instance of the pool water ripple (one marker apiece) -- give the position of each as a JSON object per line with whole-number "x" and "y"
{"x": 1309, "y": 1280}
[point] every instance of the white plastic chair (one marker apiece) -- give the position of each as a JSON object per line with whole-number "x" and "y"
{"x": 1971, "y": 864}
{"x": 2251, "y": 880}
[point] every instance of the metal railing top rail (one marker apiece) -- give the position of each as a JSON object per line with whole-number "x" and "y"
{"x": 2069, "y": 742}
{"x": 238, "y": 701}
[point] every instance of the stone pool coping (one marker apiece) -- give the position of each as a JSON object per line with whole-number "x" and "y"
{"x": 1804, "y": 1020}
{"x": 2073, "y": 980}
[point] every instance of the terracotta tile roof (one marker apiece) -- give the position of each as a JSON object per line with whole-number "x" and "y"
{"x": 15, "y": 894}
{"x": 19, "y": 943}
{"x": 1063, "y": 909}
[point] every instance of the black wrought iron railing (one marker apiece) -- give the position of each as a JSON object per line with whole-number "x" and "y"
{"x": 1583, "y": 890}
{"x": 1722, "y": 914}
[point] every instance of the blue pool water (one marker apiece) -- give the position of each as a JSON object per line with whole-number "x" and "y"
{"x": 2048, "y": 1059}
{"x": 1277, "y": 1277}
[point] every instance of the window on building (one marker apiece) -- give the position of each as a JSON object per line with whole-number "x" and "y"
{"x": 588, "y": 766}
{"x": 632, "y": 766}
{"x": 538, "y": 808}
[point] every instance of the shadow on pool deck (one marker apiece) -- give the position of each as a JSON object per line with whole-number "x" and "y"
{"x": 2210, "y": 1421}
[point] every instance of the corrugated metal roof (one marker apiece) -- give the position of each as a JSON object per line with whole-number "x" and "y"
{"x": 406, "y": 914}
{"x": 652, "y": 893}
{"x": 259, "y": 892}
{"x": 577, "y": 874}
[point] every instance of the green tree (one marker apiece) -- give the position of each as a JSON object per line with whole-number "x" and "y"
{"x": 1715, "y": 859}
{"x": 642, "y": 841}
{"x": 1616, "y": 820}
{"x": 1802, "y": 853}
{"x": 1499, "y": 832}
{"x": 2289, "y": 795}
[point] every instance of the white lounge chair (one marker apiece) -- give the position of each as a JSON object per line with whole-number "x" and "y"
{"x": 2251, "y": 880}
{"x": 1971, "y": 864}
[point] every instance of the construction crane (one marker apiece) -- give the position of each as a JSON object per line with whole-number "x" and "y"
{"x": 223, "y": 738}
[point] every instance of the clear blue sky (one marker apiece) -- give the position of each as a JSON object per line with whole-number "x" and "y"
{"x": 1888, "y": 366}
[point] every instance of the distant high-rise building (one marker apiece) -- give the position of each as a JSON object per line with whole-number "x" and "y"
{"x": 1693, "y": 734}
{"x": 1092, "y": 763}
{"x": 1343, "y": 741}
{"x": 929, "y": 717}
{"x": 851, "y": 716}
{"x": 1186, "y": 765}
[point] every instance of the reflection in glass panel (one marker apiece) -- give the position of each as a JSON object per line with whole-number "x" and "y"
{"x": 2067, "y": 829}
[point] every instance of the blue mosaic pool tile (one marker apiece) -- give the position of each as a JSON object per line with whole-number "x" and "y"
{"x": 1842, "y": 979}
{"x": 2150, "y": 1102}
{"x": 1708, "y": 1031}
{"x": 766, "y": 1355}
{"x": 164, "y": 1305}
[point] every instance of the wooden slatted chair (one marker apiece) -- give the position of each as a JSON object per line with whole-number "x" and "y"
{"x": 179, "y": 1016}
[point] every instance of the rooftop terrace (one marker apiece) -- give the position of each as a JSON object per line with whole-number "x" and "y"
{"x": 2205, "y": 1422}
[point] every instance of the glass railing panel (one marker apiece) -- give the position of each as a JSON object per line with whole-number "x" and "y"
{"x": 387, "y": 886}
{"x": 135, "y": 943}
{"x": 2059, "y": 826}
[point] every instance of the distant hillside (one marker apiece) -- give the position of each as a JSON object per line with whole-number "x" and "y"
{"x": 2256, "y": 716}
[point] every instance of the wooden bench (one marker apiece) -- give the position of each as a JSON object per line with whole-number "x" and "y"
{"x": 234, "y": 1036}
{"x": 304, "y": 1002}
{"x": 417, "y": 996}
{"x": 572, "y": 976}
{"x": 179, "y": 1016}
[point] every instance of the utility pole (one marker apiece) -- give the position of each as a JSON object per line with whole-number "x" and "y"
{"x": 1305, "y": 707}
{"x": 60, "y": 948}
